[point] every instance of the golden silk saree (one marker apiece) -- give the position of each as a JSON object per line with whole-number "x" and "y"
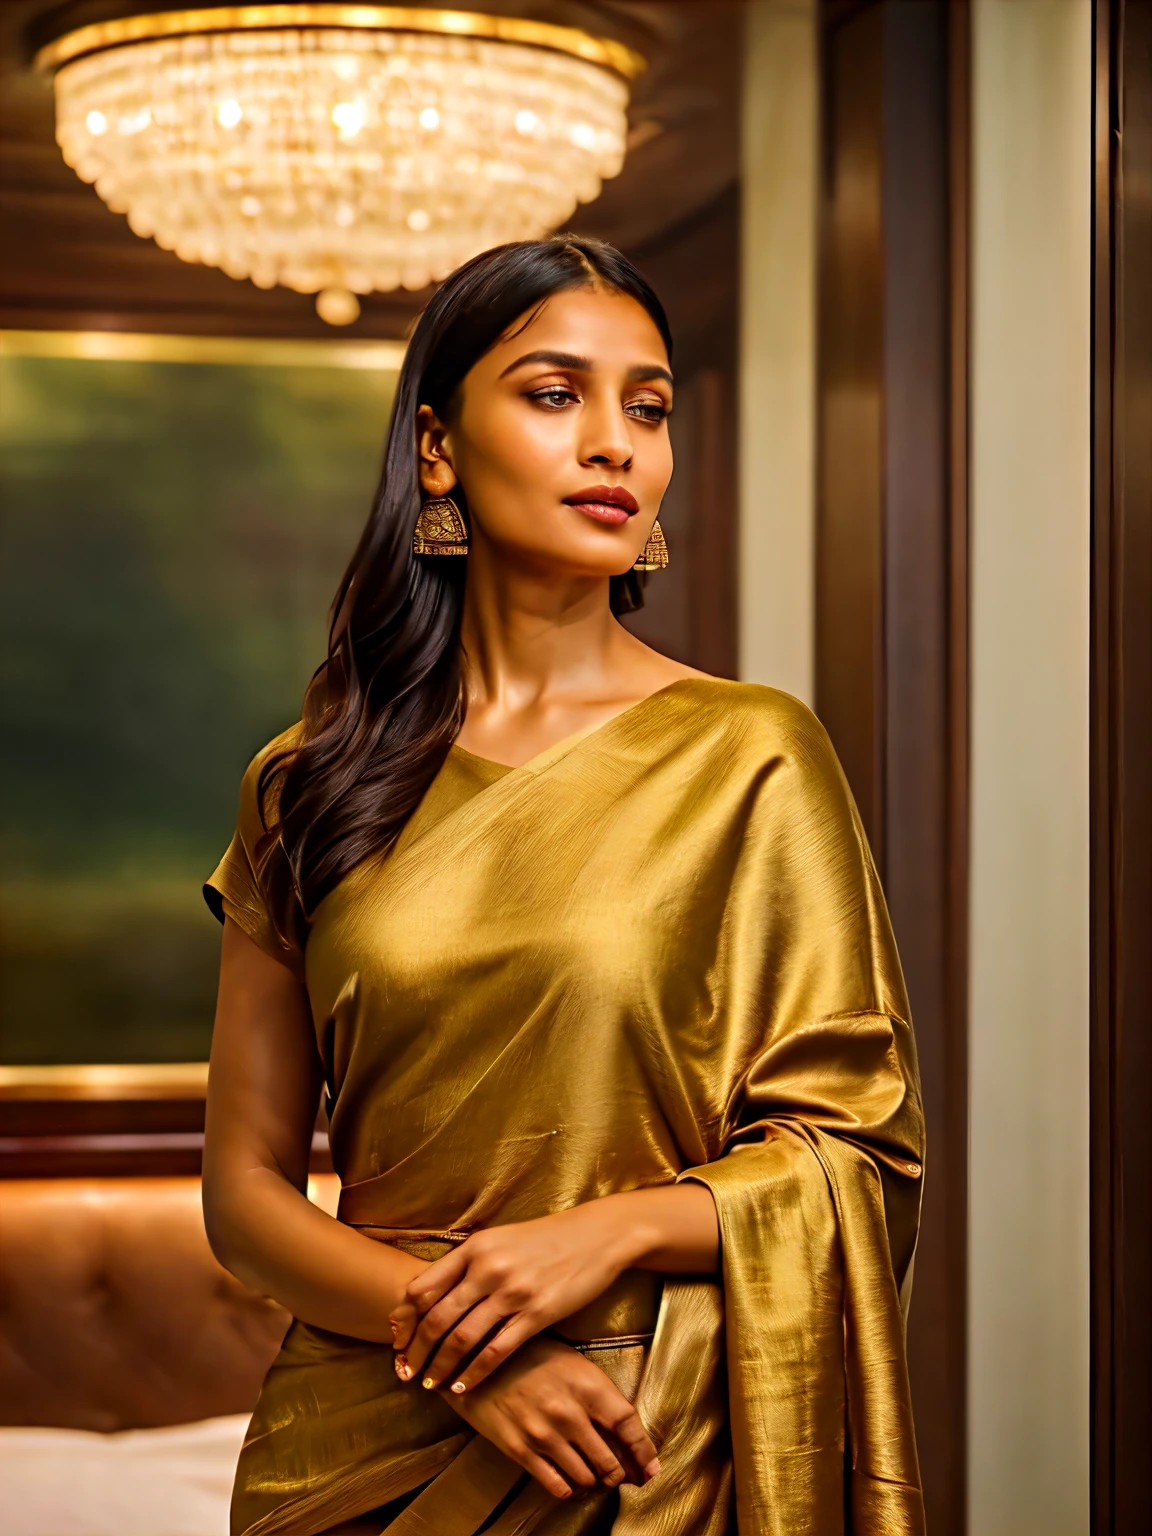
{"x": 656, "y": 951}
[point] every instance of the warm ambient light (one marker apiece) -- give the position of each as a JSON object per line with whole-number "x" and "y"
{"x": 330, "y": 147}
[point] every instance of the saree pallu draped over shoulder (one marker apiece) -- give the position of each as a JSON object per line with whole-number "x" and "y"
{"x": 657, "y": 951}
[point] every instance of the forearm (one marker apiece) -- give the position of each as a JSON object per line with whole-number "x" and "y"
{"x": 671, "y": 1229}
{"x": 275, "y": 1240}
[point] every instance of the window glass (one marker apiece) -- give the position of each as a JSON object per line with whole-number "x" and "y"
{"x": 172, "y": 536}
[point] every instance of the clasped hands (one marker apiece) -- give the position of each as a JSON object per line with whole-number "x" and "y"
{"x": 502, "y": 1285}
{"x": 551, "y": 1410}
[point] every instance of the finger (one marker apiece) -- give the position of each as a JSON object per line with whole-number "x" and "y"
{"x": 496, "y": 1351}
{"x": 435, "y": 1326}
{"x": 426, "y": 1288}
{"x": 544, "y": 1473}
{"x": 421, "y": 1295}
{"x": 569, "y": 1461}
{"x": 632, "y": 1471}
{"x": 411, "y": 1360}
{"x": 403, "y": 1321}
{"x": 468, "y": 1334}
{"x": 624, "y": 1422}
{"x": 598, "y": 1454}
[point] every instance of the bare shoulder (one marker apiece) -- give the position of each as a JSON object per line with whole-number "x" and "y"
{"x": 677, "y": 672}
{"x": 651, "y": 670}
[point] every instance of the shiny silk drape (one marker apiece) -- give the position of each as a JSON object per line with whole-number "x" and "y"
{"x": 657, "y": 951}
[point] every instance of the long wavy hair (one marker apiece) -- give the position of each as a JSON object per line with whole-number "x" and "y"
{"x": 384, "y": 707}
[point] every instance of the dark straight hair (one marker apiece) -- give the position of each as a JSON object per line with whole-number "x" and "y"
{"x": 384, "y": 707}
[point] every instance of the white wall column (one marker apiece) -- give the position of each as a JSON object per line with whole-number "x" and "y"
{"x": 1030, "y": 382}
{"x": 778, "y": 347}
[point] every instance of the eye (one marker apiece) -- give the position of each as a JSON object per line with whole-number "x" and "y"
{"x": 648, "y": 410}
{"x": 554, "y": 398}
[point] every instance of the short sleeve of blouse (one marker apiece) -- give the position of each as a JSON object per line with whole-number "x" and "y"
{"x": 233, "y": 889}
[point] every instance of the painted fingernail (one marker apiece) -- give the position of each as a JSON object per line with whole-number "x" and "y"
{"x": 403, "y": 1369}
{"x": 458, "y": 1386}
{"x": 652, "y": 1469}
{"x": 428, "y": 1383}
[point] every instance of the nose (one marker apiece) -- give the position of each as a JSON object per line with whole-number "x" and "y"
{"x": 606, "y": 438}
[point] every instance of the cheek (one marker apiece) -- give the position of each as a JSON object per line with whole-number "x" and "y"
{"x": 656, "y": 465}
{"x": 651, "y": 468}
{"x": 514, "y": 449}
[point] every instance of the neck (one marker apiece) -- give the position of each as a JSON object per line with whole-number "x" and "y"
{"x": 528, "y": 636}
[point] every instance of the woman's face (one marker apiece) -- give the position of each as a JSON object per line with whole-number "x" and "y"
{"x": 552, "y": 423}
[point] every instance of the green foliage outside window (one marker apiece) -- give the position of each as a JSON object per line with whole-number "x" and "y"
{"x": 171, "y": 537}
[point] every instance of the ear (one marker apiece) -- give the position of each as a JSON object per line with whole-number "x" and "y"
{"x": 437, "y": 476}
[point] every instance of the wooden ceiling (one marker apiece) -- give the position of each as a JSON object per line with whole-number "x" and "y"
{"x": 67, "y": 262}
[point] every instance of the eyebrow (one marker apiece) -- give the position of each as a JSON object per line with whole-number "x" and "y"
{"x": 578, "y": 364}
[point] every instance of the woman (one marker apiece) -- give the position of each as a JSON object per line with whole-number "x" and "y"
{"x": 588, "y": 951}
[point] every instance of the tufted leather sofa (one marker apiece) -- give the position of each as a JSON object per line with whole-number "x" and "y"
{"x": 113, "y": 1312}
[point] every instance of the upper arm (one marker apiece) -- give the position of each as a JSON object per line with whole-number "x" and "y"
{"x": 265, "y": 1074}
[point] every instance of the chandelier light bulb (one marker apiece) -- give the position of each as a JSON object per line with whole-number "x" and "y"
{"x": 135, "y": 122}
{"x": 336, "y": 306}
{"x": 348, "y": 117}
{"x": 339, "y": 149}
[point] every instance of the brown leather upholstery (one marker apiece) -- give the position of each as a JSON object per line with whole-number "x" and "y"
{"x": 114, "y": 1313}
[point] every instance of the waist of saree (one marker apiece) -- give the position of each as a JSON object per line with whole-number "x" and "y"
{"x": 625, "y": 1314}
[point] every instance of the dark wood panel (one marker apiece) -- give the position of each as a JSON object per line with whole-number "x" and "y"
{"x": 892, "y": 612}
{"x": 24, "y": 1118}
{"x": 111, "y": 1122}
{"x": 949, "y": 1469}
{"x": 925, "y": 685}
{"x": 691, "y": 609}
{"x": 850, "y": 468}
{"x": 157, "y": 1154}
{"x": 712, "y": 543}
{"x": 1121, "y": 788}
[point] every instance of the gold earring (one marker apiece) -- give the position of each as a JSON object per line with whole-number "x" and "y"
{"x": 654, "y": 555}
{"x": 440, "y": 529}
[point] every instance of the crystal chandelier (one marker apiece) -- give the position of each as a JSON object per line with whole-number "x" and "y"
{"x": 338, "y": 149}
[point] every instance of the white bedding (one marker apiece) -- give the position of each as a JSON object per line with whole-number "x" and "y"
{"x": 142, "y": 1482}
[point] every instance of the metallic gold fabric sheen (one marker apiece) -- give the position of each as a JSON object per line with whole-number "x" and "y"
{"x": 656, "y": 951}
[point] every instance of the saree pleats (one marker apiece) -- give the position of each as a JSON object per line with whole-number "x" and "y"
{"x": 657, "y": 951}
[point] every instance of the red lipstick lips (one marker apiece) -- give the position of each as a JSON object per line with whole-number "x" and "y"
{"x": 606, "y": 503}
